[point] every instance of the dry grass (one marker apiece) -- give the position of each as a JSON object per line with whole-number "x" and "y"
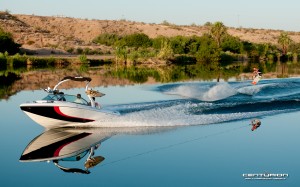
{"x": 35, "y": 32}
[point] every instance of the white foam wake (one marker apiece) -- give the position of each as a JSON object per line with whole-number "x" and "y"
{"x": 204, "y": 93}
{"x": 253, "y": 89}
{"x": 218, "y": 92}
{"x": 177, "y": 115}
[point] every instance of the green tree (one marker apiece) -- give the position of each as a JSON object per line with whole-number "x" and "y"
{"x": 180, "y": 44}
{"x": 194, "y": 44}
{"x": 262, "y": 50}
{"x": 294, "y": 47}
{"x": 166, "y": 51}
{"x": 208, "y": 51}
{"x": 232, "y": 44}
{"x": 249, "y": 49}
{"x": 284, "y": 41}
{"x": 218, "y": 31}
{"x": 7, "y": 43}
{"x": 135, "y": 40}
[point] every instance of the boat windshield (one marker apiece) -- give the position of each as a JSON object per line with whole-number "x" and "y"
{"x": 63, "y": 97}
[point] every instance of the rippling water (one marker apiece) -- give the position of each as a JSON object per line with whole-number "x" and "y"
{"x": 200, "y": 103}
{"x": 175, "y": 134}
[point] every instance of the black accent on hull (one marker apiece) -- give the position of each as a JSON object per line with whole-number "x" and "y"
{"x": 50, "y": 151}
{"x": 50, "y": 112}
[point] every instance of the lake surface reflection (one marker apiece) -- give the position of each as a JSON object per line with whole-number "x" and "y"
{"x": 61, "y": 145}
{"x": 174, "y": 134}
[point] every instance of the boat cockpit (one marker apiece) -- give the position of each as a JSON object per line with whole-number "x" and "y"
{"x": 65, "y": 97}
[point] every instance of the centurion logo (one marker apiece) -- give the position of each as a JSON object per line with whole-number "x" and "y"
{"x": 265, "y": 176}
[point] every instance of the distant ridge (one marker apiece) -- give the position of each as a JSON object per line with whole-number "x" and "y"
{"x": 60, "y": 33}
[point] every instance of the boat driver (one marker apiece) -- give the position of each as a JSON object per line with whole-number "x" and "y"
{"x": 78, "y": 99}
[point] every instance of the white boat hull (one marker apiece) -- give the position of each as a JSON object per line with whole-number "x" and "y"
{"x": 59, "y": 113}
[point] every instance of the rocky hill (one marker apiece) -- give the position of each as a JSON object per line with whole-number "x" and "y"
{"x": 44, "y": 34}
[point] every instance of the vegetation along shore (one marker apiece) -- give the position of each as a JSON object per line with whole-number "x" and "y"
{"x": 40, "y": 41}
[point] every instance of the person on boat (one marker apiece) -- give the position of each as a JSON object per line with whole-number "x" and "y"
{"x": 255, "y": 124}
{"x": 96, "y": 103}
{"x": 61, "y": 96}
{"x": 78, "y": 99}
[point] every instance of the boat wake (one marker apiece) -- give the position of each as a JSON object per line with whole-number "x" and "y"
{"x": 207, "y": 103}
{"x": 206, "y": 93}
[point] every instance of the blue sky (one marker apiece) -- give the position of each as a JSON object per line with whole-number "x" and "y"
{"x": 266, "y": 14}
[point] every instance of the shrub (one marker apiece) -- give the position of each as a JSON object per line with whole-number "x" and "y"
{"x": 79, "y": 50}
{"x": 157, "y": 42}
{"x": 194, "y": 44}
{"x": 232, "y": 44}
{"x": 87, "y": 51}
{"x": 107, "y": 39}
{"x": 83, "y": 58}
{"x": 180, "y": 44}
{"x": 166, "y": 51}
{"x": 135, "y": 40}
{"x": 7, "y": 43}
{"x": 70, "y": 50}
{"x": 166, "y": 23}
{"x": 18, "y": 60}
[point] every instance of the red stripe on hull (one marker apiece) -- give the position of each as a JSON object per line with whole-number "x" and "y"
{"x": 58, "y": 111}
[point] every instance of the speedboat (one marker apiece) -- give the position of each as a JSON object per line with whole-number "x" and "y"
{"x": 58, "y": 109}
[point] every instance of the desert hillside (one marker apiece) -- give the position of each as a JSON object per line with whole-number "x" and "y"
{"x": 61, "y": 33}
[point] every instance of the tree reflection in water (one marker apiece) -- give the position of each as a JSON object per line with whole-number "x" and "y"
{"x": 18, "y": 78}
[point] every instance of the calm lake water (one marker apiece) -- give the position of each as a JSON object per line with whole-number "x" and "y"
{"x": 175, "y": 134}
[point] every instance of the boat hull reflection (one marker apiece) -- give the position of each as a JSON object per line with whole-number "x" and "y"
{"x": 72, "y": 144}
